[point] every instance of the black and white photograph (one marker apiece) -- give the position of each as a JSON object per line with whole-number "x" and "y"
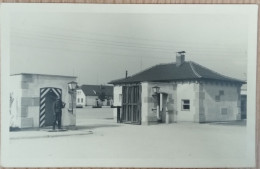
{"x": 95, "y": 85}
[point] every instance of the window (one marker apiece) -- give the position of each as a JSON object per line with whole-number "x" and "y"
{"x": 78, "y": 100}
{"x": 221, "y": 92}
{"x": 185, "y": 104}
{"x": 217, "y": 98}
{"x": 81, "y": 100}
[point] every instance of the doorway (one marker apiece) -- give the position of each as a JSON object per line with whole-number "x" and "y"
{"x": 47, "y": 97}
{"x": 162, "y": 107}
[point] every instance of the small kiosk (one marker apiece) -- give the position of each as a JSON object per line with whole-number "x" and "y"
{"x": 32, "y": 97}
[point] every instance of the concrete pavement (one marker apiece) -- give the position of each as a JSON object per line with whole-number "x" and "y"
{"x": 85, "y": 125}
{"x": 99, "y": 138}
{"x": 88, "y": 120}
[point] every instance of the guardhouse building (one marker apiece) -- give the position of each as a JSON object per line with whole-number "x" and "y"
{"x": 174, "y": 92}
{"x": 32, "y": 97}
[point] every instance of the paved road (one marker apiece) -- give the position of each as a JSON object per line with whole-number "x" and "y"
{"x": 112, "y": 144}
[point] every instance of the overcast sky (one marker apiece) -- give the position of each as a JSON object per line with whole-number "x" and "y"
{"x": 100, "y": 47}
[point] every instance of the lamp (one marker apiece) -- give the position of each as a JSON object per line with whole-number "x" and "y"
{"x": 72, "y": 88}
{"x": 156, "y": 89}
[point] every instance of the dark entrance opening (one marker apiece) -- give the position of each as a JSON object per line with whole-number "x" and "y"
{"x": 47, "y": 97}
{"x": 49, "y": 100}
{"x": 243, "y": 106}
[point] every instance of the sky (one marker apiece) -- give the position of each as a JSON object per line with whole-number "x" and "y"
{"x": 100, "y": 47}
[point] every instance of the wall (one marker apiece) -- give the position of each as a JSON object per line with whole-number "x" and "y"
{"x": 149, "y": 108}
{"x": 187, "y": 91}
{"x": 227, "y": 107}
{"x": 80, "y": 96}
{"x": 27, "y": 90}
{"x": 15, "y": 101}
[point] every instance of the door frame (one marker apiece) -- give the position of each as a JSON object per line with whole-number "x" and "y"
{"x": 42, "y": 110}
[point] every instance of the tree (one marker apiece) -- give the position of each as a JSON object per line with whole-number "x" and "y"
{"x": 102, "y": 94}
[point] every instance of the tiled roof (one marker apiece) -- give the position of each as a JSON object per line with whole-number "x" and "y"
{"x": 170, "y": 72}
{"x": 95, "y": 90}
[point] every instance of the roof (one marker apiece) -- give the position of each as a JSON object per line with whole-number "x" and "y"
{"x": 42, "y": 75}
{"x": 95, "y": 90}
{"x": 188, "y": 70}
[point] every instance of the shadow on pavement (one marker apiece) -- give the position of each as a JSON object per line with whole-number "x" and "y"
{"x": 229, "y": 123}
{"x": 94, "y": 126}
{"x": 109, "y": 118}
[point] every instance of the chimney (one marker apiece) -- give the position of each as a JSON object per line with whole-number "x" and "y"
{"x": 126, "y": 74}
{"x": 180, "y": 58}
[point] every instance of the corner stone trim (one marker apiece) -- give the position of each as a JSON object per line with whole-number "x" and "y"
{"x": 30, "y": 101}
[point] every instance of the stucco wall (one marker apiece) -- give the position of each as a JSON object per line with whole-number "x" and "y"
{"x": 187, "y": 91}
{"x": 149, "y": 108}
{"x": 27, "y": 88}
{"x": 15, "y": 101}
{"x": 229, "y": 100}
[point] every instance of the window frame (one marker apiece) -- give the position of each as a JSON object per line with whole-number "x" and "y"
{"x": 217, "y": 98}
{"x": 185, "y": 104}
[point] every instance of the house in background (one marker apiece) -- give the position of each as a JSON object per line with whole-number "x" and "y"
{"x": 243, "y": 101}
{"x": 180, "y": 91}
{"x": 93, "y": 95}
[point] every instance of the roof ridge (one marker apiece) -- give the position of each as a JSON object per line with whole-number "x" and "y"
{"x": 118, "y": 79}
{"x": 216, "y": 72}
{"x": 152, "y": 67}
{"x": 193, "y": 69}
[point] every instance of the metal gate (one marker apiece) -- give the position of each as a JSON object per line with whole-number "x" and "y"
{"x": 47, "y": 96}
{"x": 131, "y": 104}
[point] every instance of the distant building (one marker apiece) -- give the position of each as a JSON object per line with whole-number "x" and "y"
{"x": 244, "y": 101}
{"x": 32, "y": 97}
{"x": 174, "y": 92}
{"x": 93, "y": 95}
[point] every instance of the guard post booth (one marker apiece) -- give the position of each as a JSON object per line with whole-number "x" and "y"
{"x": 32, "y": 97}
